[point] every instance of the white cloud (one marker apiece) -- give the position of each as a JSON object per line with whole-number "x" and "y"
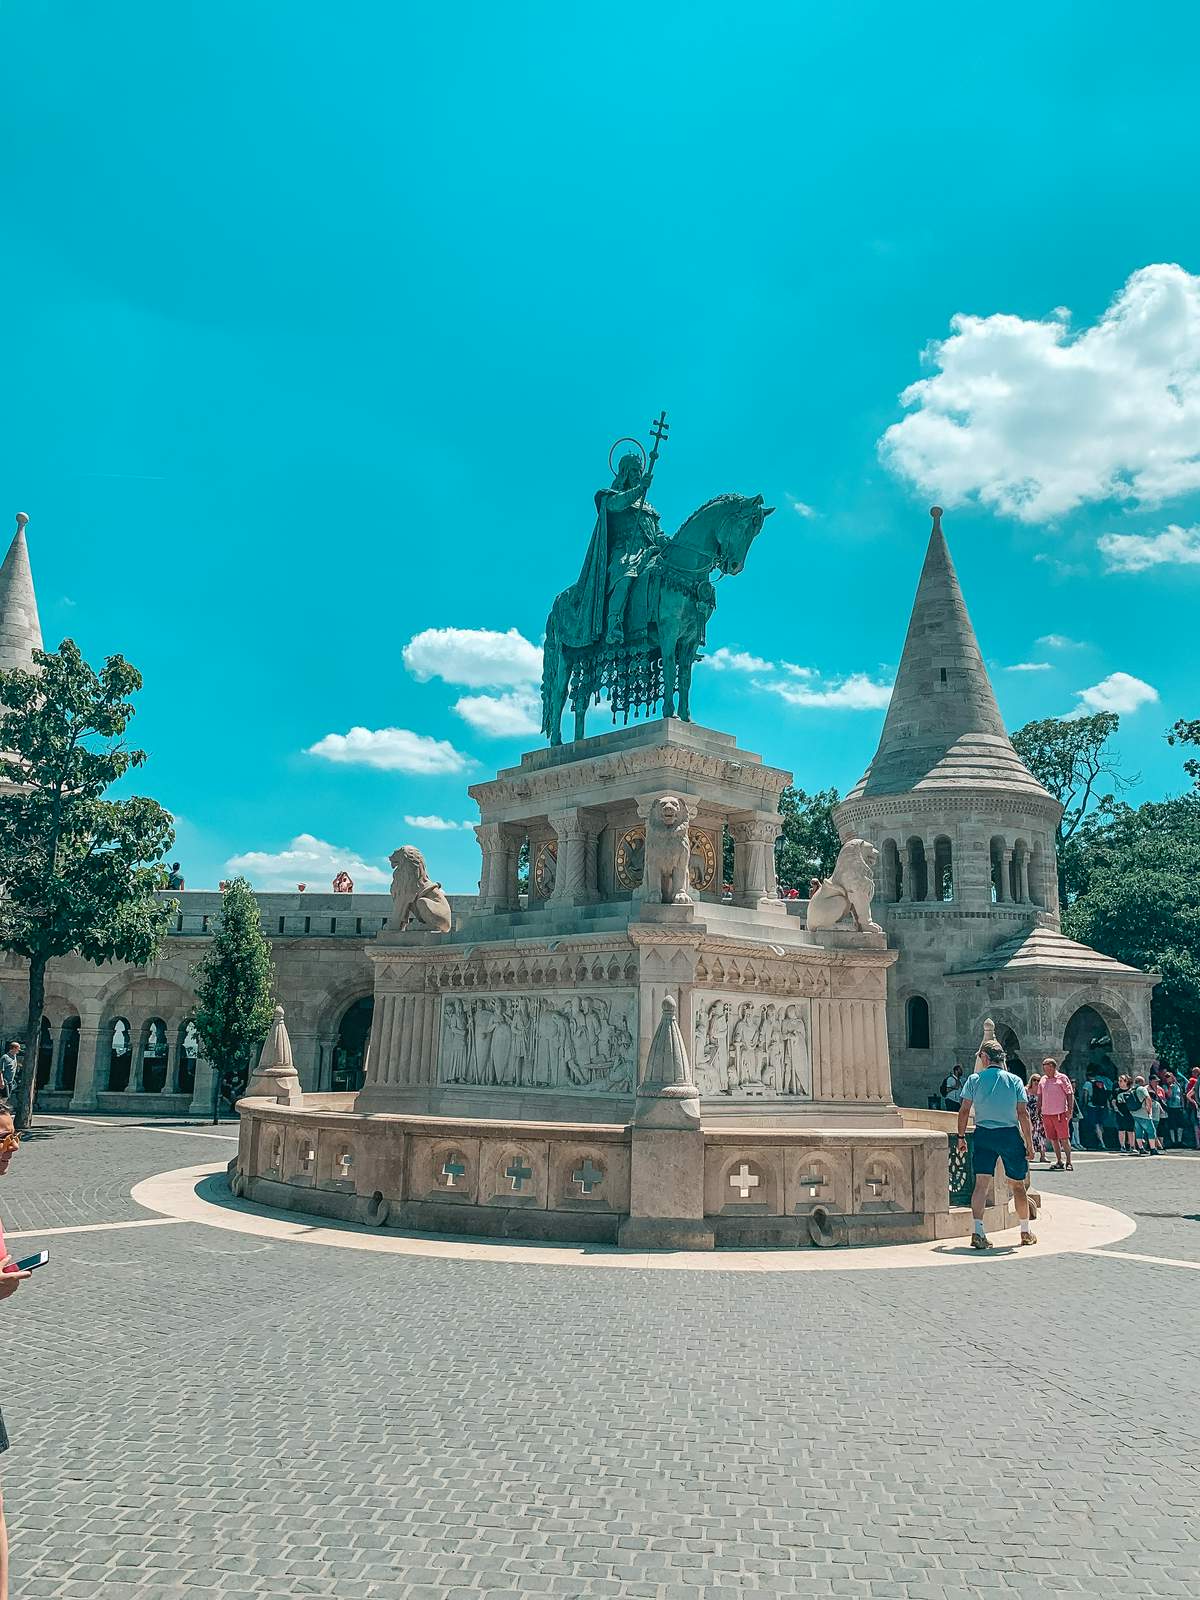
{"x": 1030, "y": 666}
{"x": 391, "y": 750}
{"x": 725, "y": 660}
{"x": 793, "y": 671}
{"x": 437, "y": 824}
{"x": 801, "y": 508}
{"x": 475, "y": 658}
{"x": 306, "y": 860}
{"x": 1135, "y": 552}
{"x": 1120, "y": 692}
{"x": 1059, "y": 641}
{"x": 1034, "y": 421}
{"x": 857, "y": 692}
{"x": 502, "y": 716}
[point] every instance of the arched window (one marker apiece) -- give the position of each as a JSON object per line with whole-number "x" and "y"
{"x": 120, "y": 1054}
{"x": 916, "y": 1023}
{"x": 68, "y": 1054}
{"x": 185, "y": 1055}
{"x": 999, "y": 886}
{"x": 892, "y": 874}
{"x": 943, "y": 869}
{"x": 917, "y": 869}
{"x": 45, "y": 1060}
{"x": 154, "y": 1056}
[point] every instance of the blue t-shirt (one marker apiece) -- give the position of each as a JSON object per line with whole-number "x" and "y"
{"x": 995, "y": 1094}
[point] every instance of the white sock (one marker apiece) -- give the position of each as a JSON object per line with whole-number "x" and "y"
{"x": 1027, "y": 1227}
{"x": 979, "y": 1226}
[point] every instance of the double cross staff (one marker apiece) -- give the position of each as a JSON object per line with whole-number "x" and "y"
{"x": 659, "y": 430}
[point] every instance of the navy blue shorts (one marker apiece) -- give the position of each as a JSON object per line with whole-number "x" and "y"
{"x": 1000, "y": 1144}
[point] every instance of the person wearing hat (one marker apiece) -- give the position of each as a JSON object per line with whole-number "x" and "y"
{"x": 1003, "y": 1132}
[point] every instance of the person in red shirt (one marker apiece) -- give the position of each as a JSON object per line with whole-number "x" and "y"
{"x": 1056, "y": 1100}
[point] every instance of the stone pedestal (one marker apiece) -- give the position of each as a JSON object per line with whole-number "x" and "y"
{"x": 666, "y": 1192}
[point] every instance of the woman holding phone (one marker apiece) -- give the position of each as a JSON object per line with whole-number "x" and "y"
{"x": 11, "y": 1279}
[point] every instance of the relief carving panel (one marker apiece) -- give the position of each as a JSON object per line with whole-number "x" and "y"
{"x": 583, "y": 1043}
{"x": 752, "y": 1049}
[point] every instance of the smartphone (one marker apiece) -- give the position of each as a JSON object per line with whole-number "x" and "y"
{"x": 30, "y": 1263}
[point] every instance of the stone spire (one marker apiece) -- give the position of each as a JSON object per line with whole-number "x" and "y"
{"x": 943, "y": 729}
{"x": 20, "y": 630}
{"x": 667, "y": 1096}
{"x": 275, "y": 1077}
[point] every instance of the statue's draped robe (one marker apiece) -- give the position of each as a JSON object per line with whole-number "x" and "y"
{"x": 583, "y": 618}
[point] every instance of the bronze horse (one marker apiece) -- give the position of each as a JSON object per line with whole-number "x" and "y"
{"x": 666, "y": 615}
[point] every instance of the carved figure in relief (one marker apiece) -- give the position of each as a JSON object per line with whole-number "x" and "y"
{"x": 414, "y": 894}
{"x": 848, "y": 890}
{"x": 668, "y": 853}
{"x": 583, "y": 1043}
{"x": 764, "y": 1051}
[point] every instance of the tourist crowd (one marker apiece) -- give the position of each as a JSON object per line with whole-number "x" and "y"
{"x": 1140, "y": 1114}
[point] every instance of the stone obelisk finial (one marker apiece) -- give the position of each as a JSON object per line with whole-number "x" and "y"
{"x": 275, "y": 1077}
{"x": 667, "y": 1096}
{"x": 20, "y": 629}
{"x": 936, "y": 513}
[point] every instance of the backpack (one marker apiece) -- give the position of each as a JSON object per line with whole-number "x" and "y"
{"x": 1100, "y": 1094}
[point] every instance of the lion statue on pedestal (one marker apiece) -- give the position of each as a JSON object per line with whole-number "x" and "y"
{"x": 666, "y": 874}
{"x": 415, "y": 895}
{"x": 849, "y": 889}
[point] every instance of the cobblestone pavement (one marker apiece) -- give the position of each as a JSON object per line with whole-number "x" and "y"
{"x": 195, "y": 1412}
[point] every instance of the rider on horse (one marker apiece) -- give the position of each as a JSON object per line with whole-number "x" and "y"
{"x": 624, "y": 542}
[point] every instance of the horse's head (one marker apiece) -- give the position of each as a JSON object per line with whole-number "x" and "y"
{"x": 741, "y": 527}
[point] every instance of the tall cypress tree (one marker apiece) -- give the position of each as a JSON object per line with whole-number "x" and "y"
{"x": 235, "y": 982}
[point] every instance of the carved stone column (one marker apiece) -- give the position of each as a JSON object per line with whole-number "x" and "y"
{"x": 1007, "y": 875}
{"x": 84, "y": 1097}
{"x": 570, "y": 873}
{"x": 1023, "y": 894}
{"x": 754, "y": 859}
{"x": 1002, "y": 857}
{"x": 498, "y": 879}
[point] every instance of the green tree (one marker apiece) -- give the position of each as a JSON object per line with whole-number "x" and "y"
{"x": 1072, "y": 758}
{"x": 809, "y": 844}
{"x": 80, "y": 872}
{"x": 1139, "y": 901}
{"x": 1187, "y": 733}
{"x": 235, "y": 983}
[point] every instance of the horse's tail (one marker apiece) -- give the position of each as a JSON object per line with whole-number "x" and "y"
{"x": 550, "y": 651}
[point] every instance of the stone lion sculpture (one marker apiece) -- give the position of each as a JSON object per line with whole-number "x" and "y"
{"x": 666, "y": 875}
{"x": 415, "y": 895}
{"x": 849, "y": 889}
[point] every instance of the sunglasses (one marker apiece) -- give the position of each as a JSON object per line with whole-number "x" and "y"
{"x": 10, "y": 1141}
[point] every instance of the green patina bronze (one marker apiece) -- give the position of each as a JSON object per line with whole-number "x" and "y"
{"x": 632, "y": 626}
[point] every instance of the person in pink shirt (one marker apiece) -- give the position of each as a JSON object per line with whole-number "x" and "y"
{"x": 1056, "y": 1099}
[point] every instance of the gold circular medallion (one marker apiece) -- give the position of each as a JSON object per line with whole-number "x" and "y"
{"x": 544, "y": 866}
{"x": 631, "y": 857}
{"x": 703, "y": 866}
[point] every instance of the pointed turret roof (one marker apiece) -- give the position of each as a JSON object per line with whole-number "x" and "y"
{"x": 20, "y": 630}
{"x": 943, "y": 729}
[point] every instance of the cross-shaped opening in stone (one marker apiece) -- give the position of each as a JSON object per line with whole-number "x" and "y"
{"x": 744, "y": 1180}
{"x": 307, "y": 1156}
{"x": 345, "y": 1164}
{"x": 814, "y": 1183}
{"x": 453, "y": 1168}
{"x": 877, "y": 1182}
{"x": 518, "y": 1172}
{"x": 588, "y": 1176}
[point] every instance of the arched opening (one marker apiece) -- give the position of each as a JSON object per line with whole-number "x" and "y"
{"x": 916, "y": 1022}
{"x": 1037, "y": 881}
{"x": 154, "y": 1056}
{"x": 943, "y": 868}
{"x": 68, "y": 1054}
{"x": 1091, "y": 1048}
{"x": 349, "y": 1050}
{"x": 45, "y": 1055}
{"x": 120, "y": 1054}
{"x": 1015, "y": 865}
{"x": 186, "y": 1051}
{"x": 999, "y": 873}
{"x": 1012, "y": 1049}
{"x": 892, "y": 871}
{"x": 918, "y": 870}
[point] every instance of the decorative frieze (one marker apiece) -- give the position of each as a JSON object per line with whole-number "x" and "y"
{"x": 752, "y": 1049}
{"x": 583, "y": 1044}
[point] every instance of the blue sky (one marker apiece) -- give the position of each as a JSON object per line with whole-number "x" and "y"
{"x": 307, "y": 311}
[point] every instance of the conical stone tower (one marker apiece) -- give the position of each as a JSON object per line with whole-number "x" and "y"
{"x": 20, "y": 629}
{"x": 967, "y": 871}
